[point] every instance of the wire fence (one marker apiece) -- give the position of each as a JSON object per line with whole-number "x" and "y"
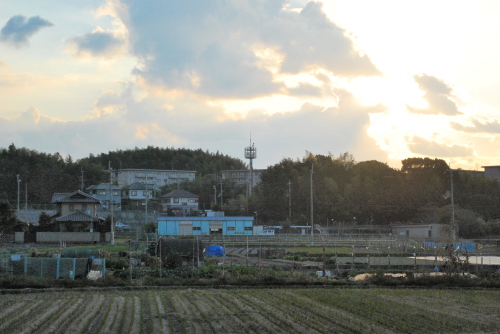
{"x": 55, "y": 267}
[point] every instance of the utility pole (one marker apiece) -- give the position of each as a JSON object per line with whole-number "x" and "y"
{"x": 110, "y": 201}
{"x": 221, "y": 198}
{"x": 289, "y": 200}
{"x": 215, "y": 195}
{"x": 81, "y": 180}
{"x": 18, "y": 185}
{"x": 312, "y": 206}
{"x": 453, "y": 227}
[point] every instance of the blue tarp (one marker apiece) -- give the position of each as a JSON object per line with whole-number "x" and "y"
{"x": 460, "y": 247}
{"x": 214, "y": 250}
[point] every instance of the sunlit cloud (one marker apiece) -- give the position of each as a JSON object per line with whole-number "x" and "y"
{"x": 425, "y": 147}
{"x": 438, "y": 96}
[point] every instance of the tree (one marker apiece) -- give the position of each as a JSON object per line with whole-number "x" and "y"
{"x": 8, "y": 221}
{"x": 44, "y": 223}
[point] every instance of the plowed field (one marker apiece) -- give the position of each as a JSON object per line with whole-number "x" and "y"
{"x": 252, "y": 311}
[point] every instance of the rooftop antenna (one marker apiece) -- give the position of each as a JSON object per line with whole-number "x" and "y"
{"x": 250, "y": 153}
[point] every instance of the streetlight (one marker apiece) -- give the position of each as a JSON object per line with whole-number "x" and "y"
{"x": 255, "y": 217}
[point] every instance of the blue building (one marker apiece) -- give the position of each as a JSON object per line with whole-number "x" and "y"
{"x": 205, "y": 225}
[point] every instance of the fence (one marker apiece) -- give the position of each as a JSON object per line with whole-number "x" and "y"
{"x": 21, "y": 264}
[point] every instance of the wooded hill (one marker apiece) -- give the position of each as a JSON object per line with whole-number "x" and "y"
{"x": 349, "y": 192}
{"x": 45, "y": 174}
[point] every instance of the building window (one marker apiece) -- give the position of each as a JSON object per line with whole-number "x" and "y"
{"x": 176, "y": 200}
{"x": 231, "y": 228}
{"x": 84, "y": 207}
{"x": 134, "y": 192}
{"x": 115, "y": 193}
{"x": 248, "y": 228}
{"x": 196, "y": 228}
{"x": 144, "y": 193}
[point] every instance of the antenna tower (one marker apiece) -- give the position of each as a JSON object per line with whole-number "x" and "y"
{"x": 250, "y": 153}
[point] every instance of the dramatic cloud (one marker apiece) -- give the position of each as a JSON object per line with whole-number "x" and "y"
{"x": 235, "y": 49}
{"x": 438, "y": 96}
{"x": 493, "y": 127}
{"x": 97, "y": 44}
{"x": 121, "y": 122}
{"x": 432, "y": 149}
{"x": 18, "y": 29}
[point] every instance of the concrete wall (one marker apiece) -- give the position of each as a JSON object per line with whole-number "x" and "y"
{"x": 19, "y": 237}
{"x": 72, "y": 237}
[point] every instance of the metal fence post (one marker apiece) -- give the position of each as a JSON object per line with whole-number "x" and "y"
{"x": 25, "y": 265}
{"x": 58, "y": 267}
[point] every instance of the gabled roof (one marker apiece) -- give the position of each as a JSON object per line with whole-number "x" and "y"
{"x": 179, "y": 193}
{"x": 74, "y": 197}
{"x": 137, "y": 186}
{"x": 78, "y": 216}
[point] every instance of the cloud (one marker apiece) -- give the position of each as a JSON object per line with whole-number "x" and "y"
{"x": 101, "y": 44}
{"x": 18, "y": 29}
{"x": 438, "y": 96}
{"x": 223, "y": 48}
{"x": 121, "y": 121}
{"x": 427, "y": 148}
{"x": 492, "y": 127}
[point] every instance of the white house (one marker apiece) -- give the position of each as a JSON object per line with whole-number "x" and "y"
{"x": 181, "y": 202}
{"x": 136, "y": 195}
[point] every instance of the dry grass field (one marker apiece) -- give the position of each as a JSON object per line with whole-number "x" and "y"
{"x": 280, "y": 310}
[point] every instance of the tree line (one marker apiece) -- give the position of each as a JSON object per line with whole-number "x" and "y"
{"x": 341, "y": 189}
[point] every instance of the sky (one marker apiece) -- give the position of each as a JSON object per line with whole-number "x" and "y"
{"x": 382, "y": 80}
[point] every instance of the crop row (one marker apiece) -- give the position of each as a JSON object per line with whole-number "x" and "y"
{"x": 251, "y": 311}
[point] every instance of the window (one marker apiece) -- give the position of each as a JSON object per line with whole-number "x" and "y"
{"x": 115, "y": 193}
{"x": 248, "y": 228}
{"x": 144, "y": 193}
{"x": 134, "y": 192}
{"x": 84, "y": 207}
{"x": 231, "y": 228}
{"x": 196, "y": 228}
{"x": 176, "y": 200}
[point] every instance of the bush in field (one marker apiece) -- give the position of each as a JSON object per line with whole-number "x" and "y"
{"x": 79, "y": 253}
{"x": 117, "y": 264}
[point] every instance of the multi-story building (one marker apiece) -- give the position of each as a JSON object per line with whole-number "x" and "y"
{"x": 492, "y": 172}
{"x": 105, "y": 192}
{"x": 155, "y": 178}
{"x": 76, "y": 212}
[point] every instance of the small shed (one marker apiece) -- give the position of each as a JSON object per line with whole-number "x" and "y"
{"x": 422, "y": 231}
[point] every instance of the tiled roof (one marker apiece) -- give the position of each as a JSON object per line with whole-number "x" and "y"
{"x": 179, "y": 193}
{"x": 78, "y": 216}
{"x": 74, "y": 197}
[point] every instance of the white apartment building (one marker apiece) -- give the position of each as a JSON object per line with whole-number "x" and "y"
{"x": 155, "y": 178}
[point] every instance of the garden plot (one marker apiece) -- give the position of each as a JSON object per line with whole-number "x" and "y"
{"x": 262, "y": 310}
